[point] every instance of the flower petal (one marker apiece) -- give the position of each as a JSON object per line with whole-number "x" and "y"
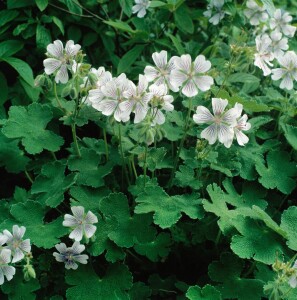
{"x": 72, "y": 49}
{"x": 62, "y": 75}
{"x": 18, "y": 255}
{"x": 184, "y": 63}
{"x": 77, "y": 234}
{"x": 91, "y": 218}
{"x": 210, "y": 133}
{"x": 160, "y": 59}
{"x": 78, "y": 212}
{"x": 202, "y": 115}
{"x": 51, "y": 65}
{"x": 151, "y": 73}
{"x": 203, "y": 82}
{"x": 56, "y": 49}
{"x": 190, "y": 89}
{"x": 201, "y": 65}
{"x": 89, "y": 230}
{"x": 218, "y": 106}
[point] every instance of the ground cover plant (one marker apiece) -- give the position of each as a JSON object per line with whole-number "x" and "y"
{"x": 148, "y": 149}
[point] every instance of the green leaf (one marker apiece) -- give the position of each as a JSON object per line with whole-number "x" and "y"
{"x": 167, "y": 210}
{"x": 113, "y": 286}
{"x": 290, "y": 134}
{"x": 186, "y": 177}
{"x": 243, "y": 77}
{"x": 154, "y": 4}
{"x": 273, "y": 176}
{"x": 10, "y": 47}
{"x": 177, "y": 44}
{"x": 129, "y": 58}
{"x": 19, "y": 3}
{"x": 140, "y": 291}
{"x": 288, "y": 224}
{"x": 43, "y": 37}
{"x": 30, "y": 214}
{"x": 73, "y": 6}
{"x": 42, "y": 4}
{"x": 183, "y": 19}
{"x": 208, "y": 292}
{"x": 11, "y": 156}
{"x": 7, "y": 15}
{"x": 33, "y": 93}
{"x": 120, "y": 25}
{"x": 22, "y": 68}
{"x": 29, "y": 125}
{"x": 52, "y": 184}
{"x": 126, "y": 6}
{"x": 129, "y": 229}
{"x": 227, "y": 271}
{"x": 59, "y": 24}
{"x": 157, "y": 249}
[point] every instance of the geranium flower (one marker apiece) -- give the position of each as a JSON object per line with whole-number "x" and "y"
{"x": 221, "y": 123}
{"x": 16, "y": 244}
{"x": 71, "y": 255}
{"x": 3, "y": 239}
{"x": 60, "y": 60}
{"x": 263, "y": 56}
{"x": 241, "y": 125}
{"x": 140, "y": 7}
{"x": 160, "y": 101}
{"x": 110, "y": 96}
{"x": 214, "y": 11}
{"x": 161, "y": 73}
{"x": 81, "y": 223}
{"x": 137, "y": 99}
{"x": 280, "y": 22}
{"x": 288, "y": 72}
{"x": 5, "y": 269}
{"x": 279, "y": 44}
{"x": 190, "y": 75}
{"x": 255, "y": 13}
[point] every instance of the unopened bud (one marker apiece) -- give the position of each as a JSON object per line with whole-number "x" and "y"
{"x": 39, "y": 81}
{"x": 73, "y": 93}
{"x": 92, "y": 78}
{"x": 29, "y": 272}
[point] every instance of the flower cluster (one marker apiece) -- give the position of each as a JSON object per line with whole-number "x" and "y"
{"x": 272, "y": 43}
{"x": 82, "y": 226}
{"x": 140, "y": 7}
{"x": 13, "y": 249}
{"x": 223, "y": 125}
{"x": 214, "y": 11}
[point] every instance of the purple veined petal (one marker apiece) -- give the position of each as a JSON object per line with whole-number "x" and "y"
{"x": 59, "y": 257}
{"x": 118, "y": 114}
{"x": 289, "y": 30}
{"x": 202, "y": 115}
{"x": 190, "y": 89}
{"x": 146, "y": 98}
{"x": 160, "y": 59}
{"x": 159, "y": 117}
{"x": 8, "y": 272}
{"x": 229, "y": 117}
{"x": 61, "y": 247}
{"x": 18, "y": 232}
{"x": 1, "y": 276}
{"x": 56, "y": 49}
{"x": 216, "y": 18}
{"x": 127, "y": 106}
{"x": 201, "y": 65}
{"x": 203, "y": 82}
{"x": 91, "y": 218}
{"x": 242, "y": 139}
{"x": 8, "y": 234}
{"x": 168, "y": 99}
{"x": 77, "y": 248}
{"x": 131, "y": 91}
{"x": 51, "y": 65}
{"x": 62, "y": 75}
{"x": 5, "y": 256}
{"x": 110, "y": 90}
{"x": 151, "y": 73}
{"x": 70, "y": 264}
{"x": 25, "y": 245}
{"x": 77, "y": 233}
{"x": 136, "y": 8}
{"x": 72, "y": 49}
{"x": 158, "y": 90}
{"x": 78, "y": 212}
{"x": 3, "y": 238}
{"x": 210, "y": 133}
{"x": 82, "y": 259}
{"x": 225, "y": 133}
{"x": 177, "y": 78}
{"x": 140, "y": 112}
{"x": 141, "y": 12}
{"x": 89, "y": 230}
{"x": 292, "y": 281}
{"x": 142, "y": 84}
{"x": 238, "y": 107}
{"x": 18, "y": 255}
{"x": 184, "y": 63}
{"x": 70, "y": 221}
{"x": 228, "y": 143}
{"x": 108, "y": 107}
{"x": 287, "y": 82}
{"x": 218, "y": 106}
{"x": 277, "y": 73}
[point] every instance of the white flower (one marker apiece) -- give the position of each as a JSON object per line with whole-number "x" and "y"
{"x": 160, "y": 101}
{"x": 161, "y": 73}
{"x": 288, "y": 72}
{"x": 5, "y": 269}
{"x": 263, "y": 56}
{"x": 278, "y": 44}
{"x": 140, "y": 7}
{"x": 108, "y": 98}
{"x": 221, "y": 122}
{"x": 280, "y": 22}
{"x": 189, "y": 75}
{"x": 71, "y": 255}
{"x": 60, "y": 60}
{"x": 137, "y": 99}
{"x": 3, "y": 239}
{"x": 81, "y": 223}
{"x": 255, "y": 13}
{"x": 214, "y": 11}
{"x": 241, "y": 125}
{"x": 16, "y": 244}
{"x": 293, "y": 279}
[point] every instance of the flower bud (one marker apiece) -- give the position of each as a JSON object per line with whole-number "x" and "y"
{"x": 66, "y": 91}
{"x": 39, "y": 81}
{"x": 48, "y": 84}
{"x": 73, "y": 93}
{"x": 92, "y": 78}
{"x": 29, "y": 272}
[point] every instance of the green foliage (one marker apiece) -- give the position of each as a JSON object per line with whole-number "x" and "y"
{"x": 208, "y": 292}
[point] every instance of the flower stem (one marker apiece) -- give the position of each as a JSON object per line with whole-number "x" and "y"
{"x": 180, "y": 145}
{"x": 74, "y": 136}
{"x": 57, "y": 98}
{"x": 144, "y": 165}
{"x": 105, "y": 143}
{"x": 122, "y": 155}
{"x": 133, "y": 167}
{"x": 28, "y": 176}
